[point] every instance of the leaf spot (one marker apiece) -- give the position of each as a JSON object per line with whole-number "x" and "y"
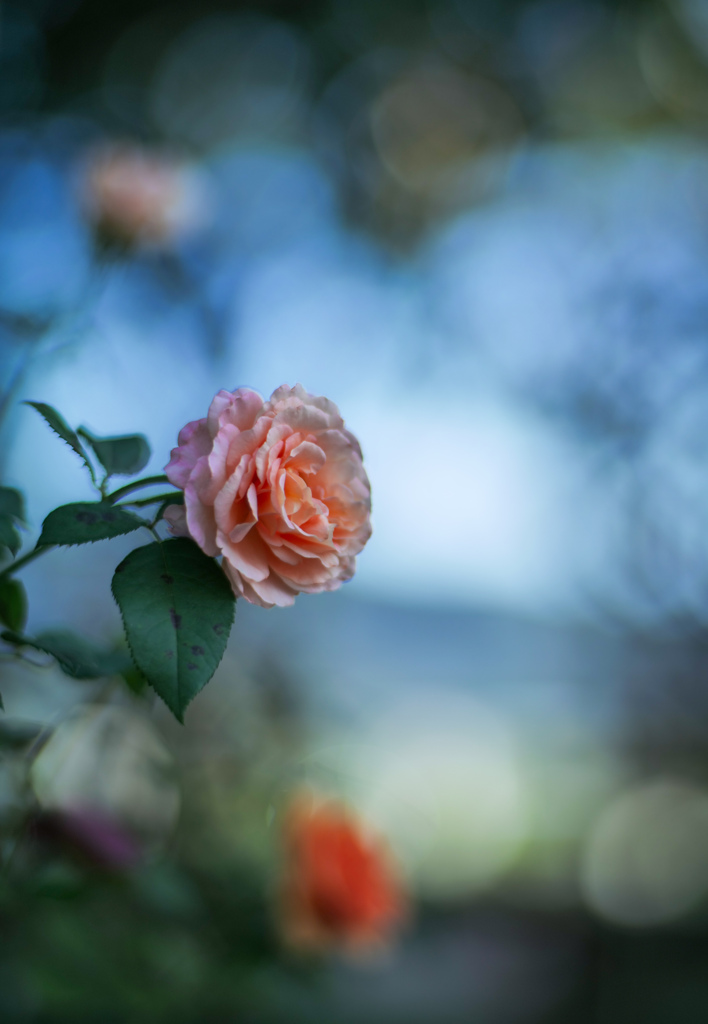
{"x": 191, "y": 665}
{"x": 169, "y": 654}
{"x": 175, "y": 619}
{"x": 218, "y": 629}
{"x": 167, "y": 578}
{"x": 90, "y": 518}
{"x": 196, "y": 649}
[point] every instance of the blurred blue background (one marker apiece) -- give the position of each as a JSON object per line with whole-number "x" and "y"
{"x": 482, "y": 230}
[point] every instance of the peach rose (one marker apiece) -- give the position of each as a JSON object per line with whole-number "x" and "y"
{"x": 278, "y": 488}
{"x": 136, "y": 196}
{"x": 339, "y": 886}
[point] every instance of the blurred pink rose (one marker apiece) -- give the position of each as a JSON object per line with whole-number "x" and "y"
{"x": 137, "y": 196}
{"x": 91, "y": 835}
{"x": 278, "y": 488}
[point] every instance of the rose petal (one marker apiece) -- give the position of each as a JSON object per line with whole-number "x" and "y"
{"x": 176, "y": 518}
{"x": 307, "y": 458}
{"x": 194, "y": 441}
{"x": 249, "y": 556}
{"x": 237, "y": 408}
{"x": 200, "y": 521}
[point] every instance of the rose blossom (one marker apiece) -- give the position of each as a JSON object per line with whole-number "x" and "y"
{"x": 135, "y": 195}
{"x": 90, "y": 835}
{"x": 278, "y": 488}
{"x": 339, "y": 884}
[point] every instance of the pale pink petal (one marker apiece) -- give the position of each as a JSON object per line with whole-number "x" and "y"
{"x": 274, "y": 591}
{"x": 283, "y": 553}
{"x": 200, "y": 521}
{"x": 285, "y": 394}
{"x": 317, "y": 527}
{"x": 242, "y": 475}
{"x": 235, "y": 579}
{"x": 311, "y": 549}
{"x": 242, "y": 588}
{"x": 252, "y": 497}
{"x": 297, "y": 416}
{"x": 248, "y": 442}
{"x": 309, "y": 572}
{"x": 270, "y": 468}
{"x": 176, "y": 518}
{"x": 240, "y": 530}
{"x": 230, "y": 513}
{"x": 274, "y": 435}
{"x": 220, "y": 402}
{"x": 249, "y": 556}
{"x": 245, "y": 470}
{"x": 307, "y": 458}
{"x": 194, "y": 442}
{"x": 293, "y": 440}
{"x": 239, "y": 408}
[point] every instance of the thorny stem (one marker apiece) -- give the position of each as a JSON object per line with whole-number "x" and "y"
{"x": 135, "y": 485}
{"x": 153, "y": 532}
{"x": 142, "y": 502}
{"x": 20, "y": 563}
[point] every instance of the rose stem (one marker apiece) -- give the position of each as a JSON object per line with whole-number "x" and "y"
{"x": 142, "y": 502}
{"x": 19, "y": 563}
{"x": 147, "y": 482}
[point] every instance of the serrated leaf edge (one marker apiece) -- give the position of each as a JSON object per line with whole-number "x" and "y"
{"x": 78, "y": 448}
{"x": 81, "y": 543}
{"x": 91, "y": 440}
{"x": 178, "y": 716}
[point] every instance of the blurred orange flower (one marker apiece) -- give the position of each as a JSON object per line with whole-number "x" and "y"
{"x": 137, "y": 196}
{"x": 340, "y": 886}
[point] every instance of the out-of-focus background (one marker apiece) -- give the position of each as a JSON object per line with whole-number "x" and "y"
{"x": 481, "y": 228}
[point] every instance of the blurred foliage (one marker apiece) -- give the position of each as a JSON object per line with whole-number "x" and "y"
{"x": 398, "y": 131}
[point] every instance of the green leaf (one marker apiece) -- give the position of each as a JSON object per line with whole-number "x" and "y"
{"x": 12, "y": 503}
{"x": 135, "y": 680}
{"x": 13, "y": 603}
{"x": 62, "y": 428}
{"x": 83, "y": 522}
{"x": 177, "y": 608}
{"x": 9, "y": 537}
{"x": 121, "y": 456}
{"x": 76, "y": 657}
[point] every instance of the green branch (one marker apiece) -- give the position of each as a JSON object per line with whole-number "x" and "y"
{"x": 20, "y": 563}
{"x": 149, "y": 481}
{"x": 175, "y": 496}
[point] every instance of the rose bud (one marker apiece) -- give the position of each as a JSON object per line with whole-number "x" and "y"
{"x": 90, "y": 835}
{"x": 137, "y": 197}
{"x": 278, "y": 488}
{"x": 340, "y": 888}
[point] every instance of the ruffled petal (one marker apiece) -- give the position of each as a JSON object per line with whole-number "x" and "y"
{"x": 238, "y": 408}
{"x": 249, "y": 556}
{"x": 268, "y": 595}
{"x": 194, "y": 441}
{"x": 274, "y": 591}
{"x": 200, "y": 521}
{"x": 176, "y": 518}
